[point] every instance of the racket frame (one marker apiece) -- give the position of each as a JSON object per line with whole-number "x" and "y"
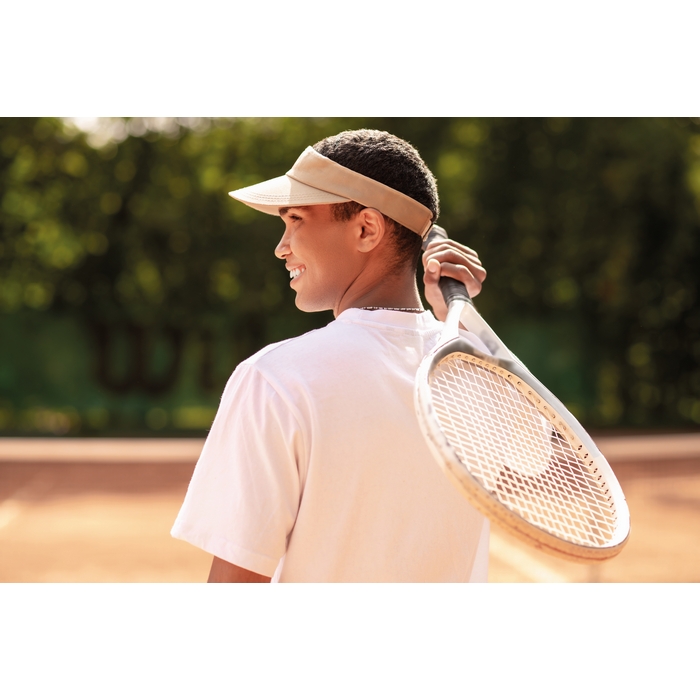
{"x": 505, "y": 364}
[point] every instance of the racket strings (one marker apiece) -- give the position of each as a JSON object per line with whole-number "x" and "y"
{"x": 518, "y": 455}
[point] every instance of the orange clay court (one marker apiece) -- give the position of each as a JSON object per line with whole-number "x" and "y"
{"x": 101, "y": 510}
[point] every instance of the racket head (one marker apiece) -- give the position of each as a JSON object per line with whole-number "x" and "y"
{"x": 507, "y": 445}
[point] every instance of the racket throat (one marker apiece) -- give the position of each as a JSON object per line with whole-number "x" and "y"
{"x": 454, "y": 313}
{"x": 474, "y": 323}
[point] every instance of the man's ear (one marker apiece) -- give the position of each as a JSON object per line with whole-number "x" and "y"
{"x": 372, "y": 227}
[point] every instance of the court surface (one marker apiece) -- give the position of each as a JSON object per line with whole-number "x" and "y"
{"x": 91, "y": 511}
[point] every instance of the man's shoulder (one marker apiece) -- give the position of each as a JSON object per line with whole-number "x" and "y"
{"x": 308, "y": 343}
{"x": 314, "y": 355}
{"x": 353, "y": 342}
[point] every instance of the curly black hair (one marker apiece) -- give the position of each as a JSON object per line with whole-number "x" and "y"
{"x": 393, "y": 162}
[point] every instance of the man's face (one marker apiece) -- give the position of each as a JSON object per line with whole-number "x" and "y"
{"x": 320, "y": 254}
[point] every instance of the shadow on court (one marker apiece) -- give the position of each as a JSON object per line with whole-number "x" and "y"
{"x": 106, "y": 518}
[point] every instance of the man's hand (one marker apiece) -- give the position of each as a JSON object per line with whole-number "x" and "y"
{"x": 448, "y": 258}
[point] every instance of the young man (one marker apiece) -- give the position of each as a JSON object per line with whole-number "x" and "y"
{"x": 315, "y": 468}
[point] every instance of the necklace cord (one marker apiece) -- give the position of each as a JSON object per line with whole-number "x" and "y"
{"x": 392, "y": 308}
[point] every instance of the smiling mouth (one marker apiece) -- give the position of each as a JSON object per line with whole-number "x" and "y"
{"x": 295, "y": 272}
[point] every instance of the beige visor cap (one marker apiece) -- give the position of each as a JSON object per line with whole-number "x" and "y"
{"x": 315, "y": 179}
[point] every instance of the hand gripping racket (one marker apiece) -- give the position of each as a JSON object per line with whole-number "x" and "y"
{"x": 510, "y": 446}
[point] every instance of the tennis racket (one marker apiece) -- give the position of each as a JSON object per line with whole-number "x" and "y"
{"x": 510, "y": 447}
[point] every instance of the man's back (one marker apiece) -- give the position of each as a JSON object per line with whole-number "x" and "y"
{"x": 316, "y": 470}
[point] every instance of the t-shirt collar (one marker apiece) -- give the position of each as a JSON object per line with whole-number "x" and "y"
{"x": 384, "y": 317}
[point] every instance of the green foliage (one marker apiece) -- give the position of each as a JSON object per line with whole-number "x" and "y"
{"x": 589, "y": 229}
{"x": 597, "y": 220}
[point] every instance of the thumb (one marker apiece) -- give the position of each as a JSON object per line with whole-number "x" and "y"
{"x": 433, "y": 270}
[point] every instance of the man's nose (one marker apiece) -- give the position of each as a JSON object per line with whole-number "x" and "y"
{"x": 282, "y": 249}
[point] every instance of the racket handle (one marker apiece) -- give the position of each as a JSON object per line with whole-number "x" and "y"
{"x": 451, "y": 288}
{"x": 435, "y": 232}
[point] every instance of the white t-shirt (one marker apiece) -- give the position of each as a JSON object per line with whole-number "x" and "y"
{"x": 315, "y": 468}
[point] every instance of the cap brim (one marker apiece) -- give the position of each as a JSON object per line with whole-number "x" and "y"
{"x": 284, "y": 191}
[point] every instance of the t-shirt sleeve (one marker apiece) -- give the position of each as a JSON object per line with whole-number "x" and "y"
{"x": 244, "y": 495}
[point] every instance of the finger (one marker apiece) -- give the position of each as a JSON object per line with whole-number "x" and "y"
{"x": 456, "y": 270}
{"x": 472, "y": 263}
{"x": 443, "y": 252}
{"x": 432, "y": 270}
{"x": 442, "y": 244}
{"x": 446, "y": 241}
{"x": 473, "y": 266}
{"x": 471, "y": 280}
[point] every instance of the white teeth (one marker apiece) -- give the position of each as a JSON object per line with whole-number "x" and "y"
{"x": 295, "y": 272}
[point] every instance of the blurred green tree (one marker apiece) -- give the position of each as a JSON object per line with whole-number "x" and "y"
{"x": 588, "y": 227}
{"x": 592, "y": 225}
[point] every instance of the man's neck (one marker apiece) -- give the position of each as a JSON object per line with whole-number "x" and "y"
{"x": 396, "y": 291}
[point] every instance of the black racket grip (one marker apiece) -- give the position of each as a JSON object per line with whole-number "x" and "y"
{"x": 434, "y": 232}
{"x": 451, "y": 288}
